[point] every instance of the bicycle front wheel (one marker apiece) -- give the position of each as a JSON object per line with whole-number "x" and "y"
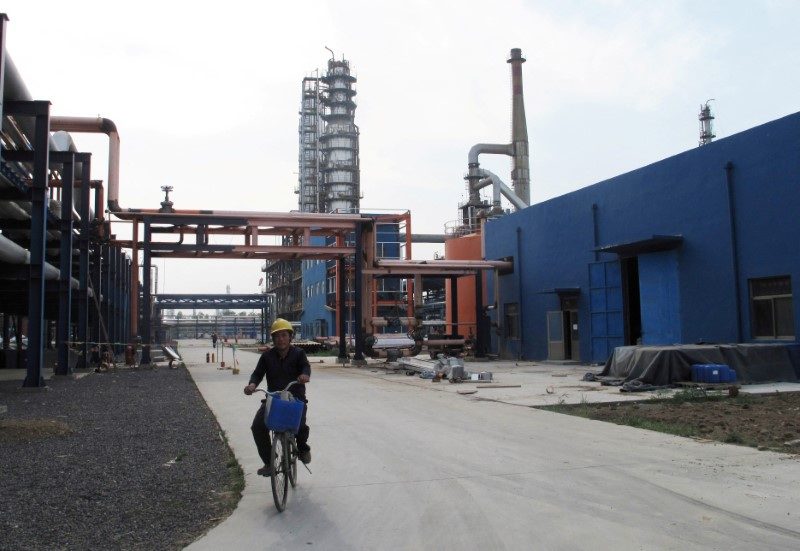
{"x": 279, "y": 478}
{"x": 292, "y": 457}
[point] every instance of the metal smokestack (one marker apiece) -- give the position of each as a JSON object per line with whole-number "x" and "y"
{"x": 517, "y": 149}
{"x": 520, "y": 175}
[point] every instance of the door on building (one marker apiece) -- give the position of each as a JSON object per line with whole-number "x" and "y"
{"x": 563, "y": 342}
{"x": 556, "y": 349}
{"x": 606, "y": 309}
{"x": 572, "y": 345}
{"x": 632, "y": 303}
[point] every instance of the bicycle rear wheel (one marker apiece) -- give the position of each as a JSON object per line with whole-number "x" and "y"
{"x": 279, "y": 478}
{"x": 292, "y": 455}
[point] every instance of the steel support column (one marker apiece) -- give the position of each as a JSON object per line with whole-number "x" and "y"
{"x": 145, "y": 328}
{"x": 64, "y": 365}
{"x": 82, "y": 304}
{"x": 454, "y": 305}
{"x": 126, "y": 318}
{"x": 107, "y": 292}
{"x": 342, "y": 299}
{"x": 358, "y": 267}
{"x": 39, "y": 201}
{"x": 481, "y": 323}
{"x": 95, "y": 307}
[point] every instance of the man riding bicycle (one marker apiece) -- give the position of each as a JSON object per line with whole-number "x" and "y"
{"x": 281, "y": 364}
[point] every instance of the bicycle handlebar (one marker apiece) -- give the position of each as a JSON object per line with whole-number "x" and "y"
{"x": 265, "y": 391}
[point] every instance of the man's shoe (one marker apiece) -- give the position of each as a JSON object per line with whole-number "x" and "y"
{"x": 304, "y": 456}
{"x": 264, "y": 471}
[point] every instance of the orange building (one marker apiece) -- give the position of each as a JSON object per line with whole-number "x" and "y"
{"x": 468, "y": 247}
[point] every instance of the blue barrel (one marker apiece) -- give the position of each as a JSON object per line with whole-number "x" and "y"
{"x": 698, "y": 373}
{"x": 713, "y": 373}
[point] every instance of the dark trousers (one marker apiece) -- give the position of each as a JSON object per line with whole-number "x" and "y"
{"x": 261, "y": 433}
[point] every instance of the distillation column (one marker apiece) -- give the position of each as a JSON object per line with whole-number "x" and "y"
{"x": 309, "y": 161}
{"x": 339, "y": 142}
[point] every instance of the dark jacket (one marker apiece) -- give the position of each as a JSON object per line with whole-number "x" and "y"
{"x": 280, "y": 372}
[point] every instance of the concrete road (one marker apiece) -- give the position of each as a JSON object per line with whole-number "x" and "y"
{"x": 403, "y": 465}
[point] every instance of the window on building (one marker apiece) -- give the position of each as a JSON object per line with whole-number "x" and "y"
{"x": 511, "y": 315}
{"x": 771, "y": 308}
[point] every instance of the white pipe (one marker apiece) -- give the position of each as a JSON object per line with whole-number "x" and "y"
{"x": 498, "y": 188}
{"x": 11, "y": 253}
{"x": 493, "y": 148}
{"x": 97, "y": 125}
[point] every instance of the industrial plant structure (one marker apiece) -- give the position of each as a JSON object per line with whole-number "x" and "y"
{"x": 329, "y": 182}
{"x": 698, "y": 248}
{"x": 695, "y": 249}
{"x": 328, "y": 177}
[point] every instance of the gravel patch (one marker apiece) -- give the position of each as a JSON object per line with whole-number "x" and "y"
{"x": 126, "y": 459}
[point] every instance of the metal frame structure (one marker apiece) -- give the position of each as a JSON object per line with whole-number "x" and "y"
{"x": 41, "y": 250}
{"x": 262, "y": 302}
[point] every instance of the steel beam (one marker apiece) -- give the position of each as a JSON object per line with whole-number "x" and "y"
{"x": 64, "y": 365}
{"x": 39, "y": 200}
{"x": 145, "y": 309}
{"x": 83, "y": 266}
{"x": 357, "y": 284}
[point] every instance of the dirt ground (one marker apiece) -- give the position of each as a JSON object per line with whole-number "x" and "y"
{"x": 28, "y": 429}
{"x": 763, "y": 421}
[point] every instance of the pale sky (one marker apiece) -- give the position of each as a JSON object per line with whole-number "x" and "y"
{"x": 206, "y": 99}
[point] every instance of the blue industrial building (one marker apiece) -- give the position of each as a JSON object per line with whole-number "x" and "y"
{"x": 699, "y": 247}
{"x": 321, "y": 286}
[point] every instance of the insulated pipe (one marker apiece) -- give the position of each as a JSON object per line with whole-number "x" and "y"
{"x": 371, "y": 340}
{"x": 445, "y": 342}
{"x": 97, "y": 125}
{"x": 474, "y": 175}
{"x": 387, "y": 322}
{"x": 491, "y": 148}
{"x": 13, "y": 86}
{"x": 517, "y": 149}
{"x": 428, "y": 238}
{"x": 499, "y": 188}
{"x": 14, "y": 89}
{"x": 64, "y": 142}
{"x": 11, "y": 253}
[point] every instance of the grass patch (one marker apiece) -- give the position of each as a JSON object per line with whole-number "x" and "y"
{"x": 734, "y": 437}
{"x": 235, "y": 471}
{"x": 678, "y": 429}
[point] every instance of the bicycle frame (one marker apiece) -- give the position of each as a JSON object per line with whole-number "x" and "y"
{"x": 283, "y": 459}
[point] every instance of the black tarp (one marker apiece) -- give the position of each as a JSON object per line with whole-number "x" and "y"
{"x": 665, "y": 365}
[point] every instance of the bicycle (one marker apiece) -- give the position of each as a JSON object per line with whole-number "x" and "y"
{"x": 284, "y": 414}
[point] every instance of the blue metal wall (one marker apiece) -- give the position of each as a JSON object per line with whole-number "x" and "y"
{"x": 315, "y": 314}
{"x": 688, "y": 294}
{"x": 387, "y": 238}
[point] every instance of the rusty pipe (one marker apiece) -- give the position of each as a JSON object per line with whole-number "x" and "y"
{"x": 97, "y": 125}
{"x": 445, "y": 342}
{"x": 386, "y": 322}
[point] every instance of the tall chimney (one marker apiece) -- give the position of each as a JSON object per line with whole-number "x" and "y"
{"x": 520, "y": 174}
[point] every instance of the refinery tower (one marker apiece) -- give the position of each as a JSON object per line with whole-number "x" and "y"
{"x": 328, "y": 177}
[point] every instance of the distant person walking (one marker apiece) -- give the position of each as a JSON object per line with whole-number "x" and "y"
{"x": 214, "y": 340}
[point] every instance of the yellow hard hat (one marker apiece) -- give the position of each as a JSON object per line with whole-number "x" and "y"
{"x": 281, "y": 324}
